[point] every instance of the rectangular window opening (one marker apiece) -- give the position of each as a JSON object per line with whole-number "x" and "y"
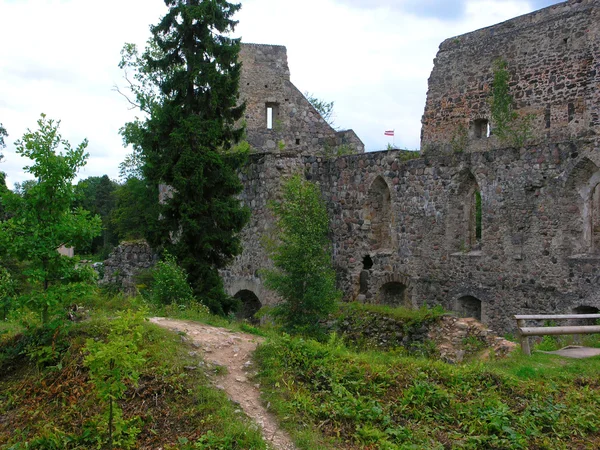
{"x": 481, "y": 129}
{"x": 272, "y": 113}
{"x": 269, "y": 117}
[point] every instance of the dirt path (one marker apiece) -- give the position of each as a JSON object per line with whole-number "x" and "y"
{"x": 233, "y": 351}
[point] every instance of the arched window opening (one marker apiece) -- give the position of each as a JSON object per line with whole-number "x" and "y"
{"x": 367, "y": 262}
{"x": 466, "y": 211}
{"x": 582, "y": 230}
{"x": 584, "y": 310}
{"x": 476, "y": 217}
{"x": 250, "y": 304}
{"x": 393, "y": 294}
{"x": 469, "y": 306}
{"x": 379, "y": 214}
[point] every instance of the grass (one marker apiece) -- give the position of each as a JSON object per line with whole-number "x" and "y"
{"x": 331, "y": 397}
{"x": 327, "y": 395}
{"x": 53, "y": 405}
{"x": 409, "y": 316}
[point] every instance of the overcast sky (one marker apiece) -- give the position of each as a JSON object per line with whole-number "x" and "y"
{"x": 371, "y": 57}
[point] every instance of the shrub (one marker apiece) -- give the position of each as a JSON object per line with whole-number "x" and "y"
{"x": 169, "y": 283}
{"x": 304, "y": 276}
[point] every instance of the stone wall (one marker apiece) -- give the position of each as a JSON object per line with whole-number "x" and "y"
{"x": 553, "y": 56}
{"x": 295, "y": 125}
{"x": 125, "y": 262}
{"x": 489, "y": 232}
{"x": 534, "y": 255}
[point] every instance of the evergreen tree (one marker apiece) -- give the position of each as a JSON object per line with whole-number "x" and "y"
{"x": 187, "y": 81}
{"x": 97, "y": 195}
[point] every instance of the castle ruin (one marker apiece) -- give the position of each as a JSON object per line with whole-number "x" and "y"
{"x": 484, "y": 228}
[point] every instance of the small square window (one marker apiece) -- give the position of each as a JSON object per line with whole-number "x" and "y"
{"x": 480, "y": 129}
{"x": 297, "y": 141}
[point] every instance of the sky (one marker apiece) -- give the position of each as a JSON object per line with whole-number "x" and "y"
{"x": 372, "y": 58}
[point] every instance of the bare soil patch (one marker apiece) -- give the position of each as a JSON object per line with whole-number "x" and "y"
{"x": 233, "y": 351}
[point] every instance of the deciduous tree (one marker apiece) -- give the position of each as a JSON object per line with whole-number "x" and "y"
{"x": 303, "y": 274}
{"x": 42, "y": 219}
{"x": 187, "y": 81}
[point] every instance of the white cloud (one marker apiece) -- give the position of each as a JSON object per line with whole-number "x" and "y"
{"x": 60, "y": 57}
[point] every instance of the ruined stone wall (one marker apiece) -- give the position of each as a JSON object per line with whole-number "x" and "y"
{"x": 485, "y": 230}
{"x": 533, "y": 256}
{"x": 262, "y": 178}
{"x": 125, "y": 262}
{"x": 296, "y": 125}
{"x": 554, "y": 60}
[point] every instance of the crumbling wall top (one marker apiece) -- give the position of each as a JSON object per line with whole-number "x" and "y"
{"x": 553, "y": 59}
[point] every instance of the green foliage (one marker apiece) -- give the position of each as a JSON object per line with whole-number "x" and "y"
{"x": 7, "y": 292}
{"x": 342, "y": 398}
{"x": 324, "y": 108}
{"x": 478, "y": 215}
{"x": 131, "y": 167}
{"x": 411, "y": 317}
{"x": 113, "y": 364}
{"x": 509, "y": 127}
{"x": 329, "y": 152}
{"x": 170, "y": 284}
{"x": 96, "y": 195}
{"x": 42, "y": 219}
{"x": 3, "y": 134}
{"x": 58, "y": 406}
{"x": 187, "y": 82}
{"x": 135, "y": 215}
{"x": 460, "y": 139}
{"x": 304, "y": 277}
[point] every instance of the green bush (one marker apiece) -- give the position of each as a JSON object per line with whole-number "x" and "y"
{"x": 169, "y": 283}
{"x": 303, "y": 274}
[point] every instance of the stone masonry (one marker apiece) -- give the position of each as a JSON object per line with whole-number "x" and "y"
{"x": 552, "y": 56}
{"x": 487, "y": 232}
{"x": 125, "y": 263}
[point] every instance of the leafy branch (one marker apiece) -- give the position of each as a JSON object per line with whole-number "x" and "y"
{"x": 509, "y": 126}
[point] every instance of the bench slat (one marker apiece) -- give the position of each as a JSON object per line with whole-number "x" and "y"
{"x": 544, "y": 331}
{"x": 559, "y": 316}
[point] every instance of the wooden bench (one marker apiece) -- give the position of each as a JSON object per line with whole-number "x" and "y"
{"x": 525, "y": 331}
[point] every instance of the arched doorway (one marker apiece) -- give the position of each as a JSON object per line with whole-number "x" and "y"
{"x": 393, "y": 294}
{"x": 250, "y": 305}
{"x": 469, "y": 306}
{"x": 584, "y": 310}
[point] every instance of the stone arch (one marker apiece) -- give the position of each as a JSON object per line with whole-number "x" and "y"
{"x": 250, "y": 304}
{"x": 378, "y": 214}
{"x": 583, "y": 200}
{"x": 466, "y": 214}
{"x": 584, "y": 309}
{"x": 392, "y": 294}
{"x": 469, "y": 306}
{"x": 394, "y": 290}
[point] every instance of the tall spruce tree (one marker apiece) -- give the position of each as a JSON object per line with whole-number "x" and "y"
{"x": 187, "y": 81}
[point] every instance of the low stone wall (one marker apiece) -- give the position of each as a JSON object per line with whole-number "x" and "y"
{"x": 125, "y": 262}
{"x": 449, "y": 338}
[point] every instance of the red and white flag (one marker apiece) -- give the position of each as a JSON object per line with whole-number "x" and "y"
{"x": 389, "y": 133}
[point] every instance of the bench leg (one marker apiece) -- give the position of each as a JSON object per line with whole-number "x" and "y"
{"x": 525, "y": 345}
{"x": 524, "y": 339}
